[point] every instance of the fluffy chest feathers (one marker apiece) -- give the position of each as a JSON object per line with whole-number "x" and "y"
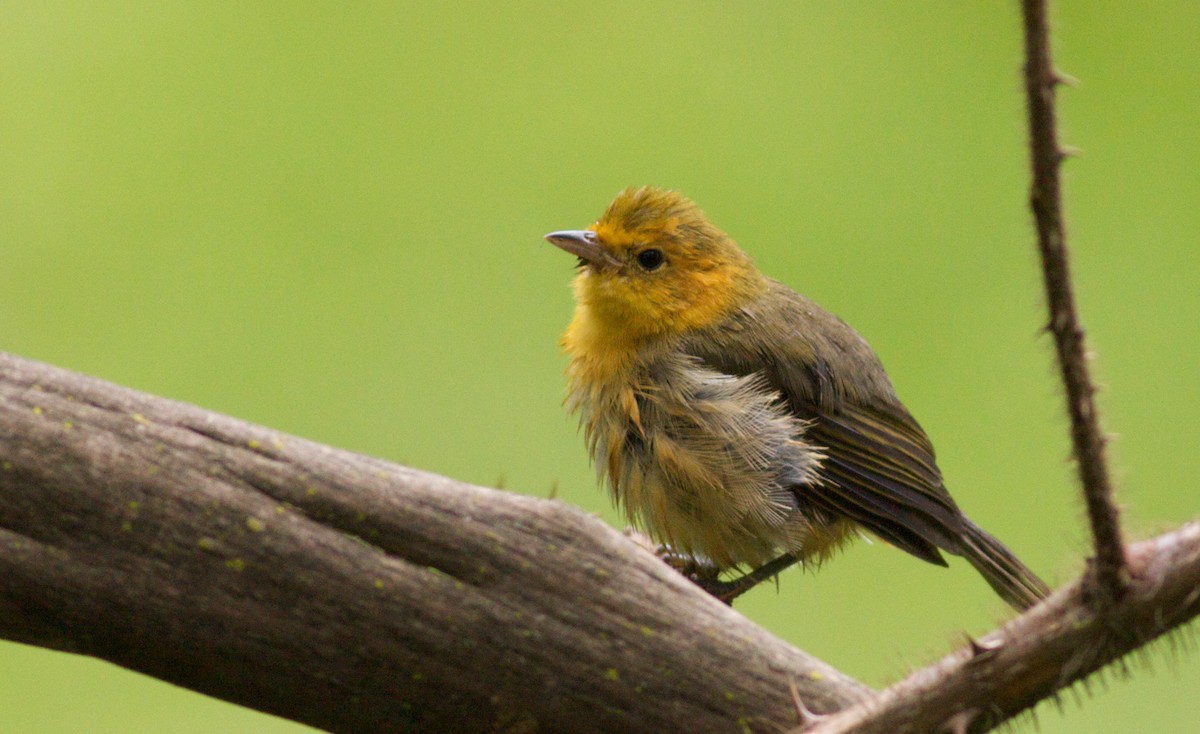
{"x": 707, "y": 462}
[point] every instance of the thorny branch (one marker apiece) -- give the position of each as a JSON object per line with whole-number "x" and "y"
{"x": 1059, "y": 642}
{"x": 1046, "y": 200}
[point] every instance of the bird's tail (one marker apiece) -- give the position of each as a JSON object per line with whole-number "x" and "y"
{"x": 1011, "y": 579}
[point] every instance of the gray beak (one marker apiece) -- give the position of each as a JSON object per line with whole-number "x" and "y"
{"x": 583, "y": 244}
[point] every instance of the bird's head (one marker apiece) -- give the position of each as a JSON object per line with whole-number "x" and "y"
{"x": 654, "y": 265}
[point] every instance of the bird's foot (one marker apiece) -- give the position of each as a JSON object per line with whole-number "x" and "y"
{"x": 707, "y": 575}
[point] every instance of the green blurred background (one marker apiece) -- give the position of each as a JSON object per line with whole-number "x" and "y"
{"x": 327, "y": 218}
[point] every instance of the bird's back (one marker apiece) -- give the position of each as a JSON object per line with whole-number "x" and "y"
{"x": 880, "y": 469}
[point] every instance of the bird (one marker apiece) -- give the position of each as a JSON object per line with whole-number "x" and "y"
{"x": 738, "y": 422}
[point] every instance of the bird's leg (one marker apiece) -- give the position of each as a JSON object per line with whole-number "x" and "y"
{"x": 727, "y": 591}
{"x": 705, "y": 574}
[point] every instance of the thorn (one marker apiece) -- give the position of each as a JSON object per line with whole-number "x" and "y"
{"x": 1061, "y": 77}
{"x": 958, "y": 723}
{"x": 1143, "y": 658}
{"x": 980, "y": 647}
{"x": 976, "y": 648}
{"x": 1123, "y": 668}
{"x": 1069, "y": 151}
{"x": 553, "y": 490}
{"x": 804, "y": 715}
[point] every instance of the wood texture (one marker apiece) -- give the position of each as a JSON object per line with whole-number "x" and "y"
{"x": 350, "y": 593}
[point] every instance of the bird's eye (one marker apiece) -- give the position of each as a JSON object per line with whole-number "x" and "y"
{"x": 650, "y": 259}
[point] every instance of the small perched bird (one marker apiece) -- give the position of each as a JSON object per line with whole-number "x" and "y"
{"x": 738, "y": 421}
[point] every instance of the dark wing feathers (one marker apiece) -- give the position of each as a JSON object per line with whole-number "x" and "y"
{"x": 885, "y": 456}
{"x": 884, "y": 490}
{"x": 880, "y": 471}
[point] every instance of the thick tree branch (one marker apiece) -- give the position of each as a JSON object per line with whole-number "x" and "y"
{"x": 1046, "y": 201}
{"x": 349, "y": 593}
{"x": 1055, "y": 644}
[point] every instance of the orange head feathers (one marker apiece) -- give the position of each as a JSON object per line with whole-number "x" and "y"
{"x": 654, "y": 266}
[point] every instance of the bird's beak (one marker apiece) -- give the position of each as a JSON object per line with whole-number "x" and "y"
{"x": 583, "y": 244}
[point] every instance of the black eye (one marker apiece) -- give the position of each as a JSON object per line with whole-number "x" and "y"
{"x": 650, "y": 259}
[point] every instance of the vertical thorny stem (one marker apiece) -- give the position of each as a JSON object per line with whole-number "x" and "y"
{"x": 1046, "y": 200}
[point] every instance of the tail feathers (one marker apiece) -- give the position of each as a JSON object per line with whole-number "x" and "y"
{"x": 1011, "y": 579}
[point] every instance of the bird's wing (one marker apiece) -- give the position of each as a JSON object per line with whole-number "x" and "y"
{"x": 880, "y": 471}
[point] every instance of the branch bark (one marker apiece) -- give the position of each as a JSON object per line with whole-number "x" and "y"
{"x": 349, "y": 593}
{"x": 1046, "y": 200}
{"x": 359, "y": 596}
{"x": 1055, "y": 644}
